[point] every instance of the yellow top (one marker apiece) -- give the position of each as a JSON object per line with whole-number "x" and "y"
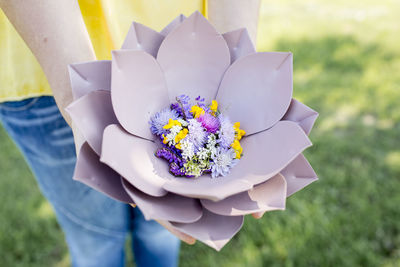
{"x": 107, "y": 22}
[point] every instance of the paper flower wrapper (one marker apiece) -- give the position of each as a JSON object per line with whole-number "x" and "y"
{"x": 114, "y": 101}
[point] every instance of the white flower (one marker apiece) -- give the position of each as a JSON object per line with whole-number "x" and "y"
{"x": 183, "y": 122}
{"x": 172, "y": 134}
{"x": 187, "y": 148}
{"x": 203, "y": 153}
{"x": 211, "y": 144}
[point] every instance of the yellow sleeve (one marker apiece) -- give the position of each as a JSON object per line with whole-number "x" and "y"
{"x": 20, "y": 74}
{"x": 108, "y": 21}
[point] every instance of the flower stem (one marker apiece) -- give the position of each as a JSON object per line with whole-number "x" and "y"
{"x": 183, "y": 110}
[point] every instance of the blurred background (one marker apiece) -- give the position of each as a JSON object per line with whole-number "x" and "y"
{"x": 347, "y": 67}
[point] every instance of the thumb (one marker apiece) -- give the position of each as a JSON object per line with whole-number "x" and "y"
{"x": 258, "y": 215}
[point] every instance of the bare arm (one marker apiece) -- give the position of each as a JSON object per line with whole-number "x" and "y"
{"x": 56, "y": 34}
{"x": 228, "y": 15}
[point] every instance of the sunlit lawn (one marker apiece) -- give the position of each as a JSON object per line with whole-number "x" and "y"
{"x": 346, "y": 66}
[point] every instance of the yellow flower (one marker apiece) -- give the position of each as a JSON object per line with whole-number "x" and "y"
{"x": 238, "y": 148}
{"x": 214, "y": 106}
{"x": 239, "y": 132}
{"x": 197, "y": 111}
{"x": 165, "y": 140}
{"x": 238, "y": 154}
{"x": 172, "y": 123}
{"x": 182, "y": 134}
{"x": 178, "y": 146}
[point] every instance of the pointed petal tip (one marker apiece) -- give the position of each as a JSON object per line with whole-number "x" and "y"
{"x": 298, "y": 174}
{"x": 116, "y": 57}
{"x": 205, "y": 51}
{"x": 141, "y": 37}
{"x": 301, "y": 114}
{"x": 197, "y": 14}
{"x": 289, "y": 57}
{"x": 239, "y": 43}
{"x": 73, "y": 69}
{"x": 139, "y": 90}
{"x": 264, "y": 74}
{"x": 173, "y": 25}
{"x": 89, "y": 76}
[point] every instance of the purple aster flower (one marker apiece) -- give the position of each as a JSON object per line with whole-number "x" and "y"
{"x": 197, "y": 134}
{"x": 209, "y": 122}
{"x": 226, "y": 133}
{"x": 223, "y": 161}
{"x": 160, "y": 119}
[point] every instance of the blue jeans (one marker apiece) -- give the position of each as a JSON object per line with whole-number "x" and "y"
{"x": 95, "y": 226}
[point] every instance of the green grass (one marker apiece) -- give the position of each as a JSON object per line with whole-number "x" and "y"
{"x": 29, "y": 234}
{"x": 346, "y": 66}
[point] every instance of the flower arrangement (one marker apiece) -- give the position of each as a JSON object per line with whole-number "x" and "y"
{"x": 197, "y": 139}
{"x": 153, "y": 79}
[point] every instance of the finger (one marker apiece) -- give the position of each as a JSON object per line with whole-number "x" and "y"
{"x": 78, "y": 139}
{"x": 258, "y": 215}
{"x": 182, "y": 236}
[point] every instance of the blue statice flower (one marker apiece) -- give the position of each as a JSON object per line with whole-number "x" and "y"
{"x": 223, "y": 161}
{"x": 226, "y": 132}
{"x": 197, "y": 134}
{"x": 182, "y": 106}
{"x": 169, "y": 155}
{"x": 200, "y": 100}
{"x": 177, "y": 171}
{"x": 160, "y": 119}
{"x": 200, "y": 103}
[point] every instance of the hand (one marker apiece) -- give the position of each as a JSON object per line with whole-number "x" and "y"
{"x": 182, "y": 236}
{"x": 258, "y": 215}
{"x": 78, "y": 139}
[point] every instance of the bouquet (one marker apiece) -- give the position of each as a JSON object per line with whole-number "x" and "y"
{"x": 194, "y": 127}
